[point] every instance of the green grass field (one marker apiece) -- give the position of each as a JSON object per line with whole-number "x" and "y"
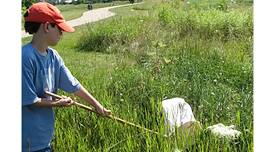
{"x": 200, "y": 51}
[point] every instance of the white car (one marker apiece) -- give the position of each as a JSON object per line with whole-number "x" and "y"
{"x": 68, "y": 1}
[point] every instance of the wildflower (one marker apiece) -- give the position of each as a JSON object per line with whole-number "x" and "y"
{"x": 167, "y": 60}
{"x": 200, "y": 106}
{"x": 134, "y": 45}
{"x": 220, "y": 130}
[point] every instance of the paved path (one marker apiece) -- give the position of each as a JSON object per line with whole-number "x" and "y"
{"x": 90, "y": 16}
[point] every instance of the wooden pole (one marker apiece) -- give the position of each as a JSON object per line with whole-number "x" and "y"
{"x": 109, "y": 116}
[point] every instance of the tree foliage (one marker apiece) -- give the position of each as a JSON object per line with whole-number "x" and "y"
{"x": 28, "y": 3}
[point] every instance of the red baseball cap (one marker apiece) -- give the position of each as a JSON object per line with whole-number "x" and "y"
{"x": 45, "y": 12}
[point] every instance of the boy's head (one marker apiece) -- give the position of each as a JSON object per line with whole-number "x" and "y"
{"x": 43, "y": 12}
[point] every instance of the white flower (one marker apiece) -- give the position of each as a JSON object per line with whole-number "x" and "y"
{"x": 221, "y": 130}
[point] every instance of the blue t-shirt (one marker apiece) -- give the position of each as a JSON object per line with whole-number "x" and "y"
{"x": 40, "y": 73}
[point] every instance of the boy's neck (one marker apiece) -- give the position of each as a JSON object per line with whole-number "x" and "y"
{"x": 39, "y": 44}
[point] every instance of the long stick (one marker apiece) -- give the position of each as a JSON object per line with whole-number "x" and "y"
{"x": 109, "y": 116}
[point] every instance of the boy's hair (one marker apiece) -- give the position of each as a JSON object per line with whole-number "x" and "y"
{"x": 31, "y": 27}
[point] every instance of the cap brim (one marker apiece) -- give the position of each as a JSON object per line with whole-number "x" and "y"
{"x": 65, "y": 27}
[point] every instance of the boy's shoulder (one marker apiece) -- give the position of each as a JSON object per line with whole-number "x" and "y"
{"x": 29, "y": 52}
{"x": 54, "y": 53}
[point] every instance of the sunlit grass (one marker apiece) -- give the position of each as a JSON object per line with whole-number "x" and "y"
{"x": 130, "y": 64}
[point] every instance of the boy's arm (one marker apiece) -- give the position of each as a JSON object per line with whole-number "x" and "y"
{"x": 83, "y": 93}
{"x": 43, "y": 102}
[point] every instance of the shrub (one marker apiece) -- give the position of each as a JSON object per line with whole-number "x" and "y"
{"x": 100, "y": 37}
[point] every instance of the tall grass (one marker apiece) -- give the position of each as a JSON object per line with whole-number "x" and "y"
{"x": 101, "y": 36}
{"x": 196, "y": 51}
{"x": 208, "y": 23}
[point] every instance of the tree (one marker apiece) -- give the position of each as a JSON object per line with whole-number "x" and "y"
{"x": 27, "y": 3}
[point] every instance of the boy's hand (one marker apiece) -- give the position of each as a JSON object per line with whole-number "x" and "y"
{"x": 103, "y": 111}
{"x": 65, "y": 102}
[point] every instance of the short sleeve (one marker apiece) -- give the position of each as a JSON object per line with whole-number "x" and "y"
{"x": 67, "y": 82}
{"x": 29, "y": 95}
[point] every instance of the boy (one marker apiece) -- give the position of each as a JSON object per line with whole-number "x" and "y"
{"x": 44, "y": 70}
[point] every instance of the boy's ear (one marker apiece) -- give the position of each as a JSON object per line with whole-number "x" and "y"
{"x": 46, "y": 26}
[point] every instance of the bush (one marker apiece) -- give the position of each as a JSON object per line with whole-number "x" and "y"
{"x": 100, "y": 37}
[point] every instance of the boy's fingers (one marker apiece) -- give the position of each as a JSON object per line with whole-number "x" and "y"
{"x": 101, "y": 111}
{"x": 68, "y": 99}
{"x": 71, "y": 102}
{"x": 65, "y": 102}
{"x": 106, "y": 112}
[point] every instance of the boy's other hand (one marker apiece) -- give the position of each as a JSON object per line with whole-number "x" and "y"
{"x": 64, "y": 102}
{"x": 103, "y": 111}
